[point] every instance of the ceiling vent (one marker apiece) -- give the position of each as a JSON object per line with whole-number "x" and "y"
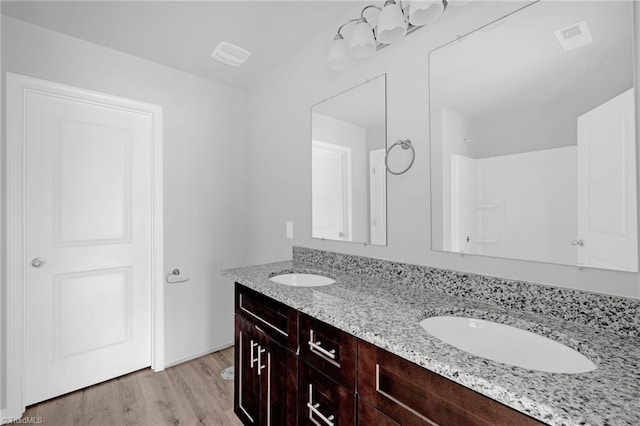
{"x": 573, "y": 36}
{"x": 230, "y": 54}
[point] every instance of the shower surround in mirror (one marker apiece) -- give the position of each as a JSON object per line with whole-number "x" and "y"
{"x": 348, "y": 146}
{"x": 533, "y": 137}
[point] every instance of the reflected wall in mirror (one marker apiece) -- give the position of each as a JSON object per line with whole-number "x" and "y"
{"x": 348, "y": 174}
{"x": 533, "y": 141}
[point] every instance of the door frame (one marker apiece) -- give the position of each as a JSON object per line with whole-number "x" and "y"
{"x": 18, "y": 86}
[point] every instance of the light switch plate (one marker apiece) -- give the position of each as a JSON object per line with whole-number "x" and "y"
{"x": 289, "y": 229}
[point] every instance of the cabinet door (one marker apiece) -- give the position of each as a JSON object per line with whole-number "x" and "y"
{"x": 412, "y": 395}
{"x": 278, "y": 382}
{"x": 246, "y": 393}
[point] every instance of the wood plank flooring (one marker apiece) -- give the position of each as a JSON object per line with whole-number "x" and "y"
{"x": 191, "y": 393}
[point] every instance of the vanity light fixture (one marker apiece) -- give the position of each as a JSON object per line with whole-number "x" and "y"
{"x": 425, "y": 12}
{"x": 392, "y": 24}
{"x": 395, "y": 20}
{"x": 362, "y": 43}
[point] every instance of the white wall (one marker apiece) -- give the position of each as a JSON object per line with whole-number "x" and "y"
{"x": 280, "y": 123}
{"x": 204, "y": 169}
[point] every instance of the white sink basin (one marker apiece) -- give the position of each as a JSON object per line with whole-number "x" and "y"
{"x": 302, "y": 280}
{"x": 506, "y": 344}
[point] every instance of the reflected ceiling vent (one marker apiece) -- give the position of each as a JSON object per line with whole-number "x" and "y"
{"x": 573, "y": 36}
{"x": 230, "y": 54}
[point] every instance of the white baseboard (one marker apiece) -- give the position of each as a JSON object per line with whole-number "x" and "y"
{"x": 207, "y": 352}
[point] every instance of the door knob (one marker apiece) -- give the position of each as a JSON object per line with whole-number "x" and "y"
{"x": 579, "y": 243}
{"x": 38, "y": 262}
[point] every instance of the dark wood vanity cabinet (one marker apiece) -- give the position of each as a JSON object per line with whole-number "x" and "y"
{"x": 294, "y": 369}
{"x": 330, "y": 350}
{"x": 274, "y": 319}
{"x": 247, "y": 381}
{"x": 266, "y": 376}
{"x": 369, "y": 415}
{"x": 402, "y": 392}
{"x": 327, "y": 374}
{"x": 322, "y": 401}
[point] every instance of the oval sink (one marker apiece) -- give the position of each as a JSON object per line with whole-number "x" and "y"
{"x": 302, "y": 280}
{"x": 507, "y": 344}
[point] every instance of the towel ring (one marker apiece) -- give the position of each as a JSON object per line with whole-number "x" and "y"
{"x": 405, "y": 144}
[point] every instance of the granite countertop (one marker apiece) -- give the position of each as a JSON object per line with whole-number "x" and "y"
{"x": 387, "y": 314}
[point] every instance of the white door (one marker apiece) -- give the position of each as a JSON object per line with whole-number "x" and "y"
{"x": 87, "y": 243}
{"x": 378, "y": 196}
{"x": 607, "y": 206}
{"x": 331, "y": 191}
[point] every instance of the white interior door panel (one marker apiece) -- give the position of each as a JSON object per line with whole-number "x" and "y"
{"x": 88, "y": 209}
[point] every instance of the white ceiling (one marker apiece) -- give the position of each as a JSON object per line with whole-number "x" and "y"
{"x": 182, "y": 34}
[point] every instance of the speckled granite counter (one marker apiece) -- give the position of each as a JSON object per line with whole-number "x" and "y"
{"x": 385, "y": 309}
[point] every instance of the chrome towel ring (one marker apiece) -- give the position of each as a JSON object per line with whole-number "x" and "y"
{"x": 405, "y": 144}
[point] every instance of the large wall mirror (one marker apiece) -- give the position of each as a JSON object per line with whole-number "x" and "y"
{"x": 533, "y": 140}
{"x": 349, "y": 179}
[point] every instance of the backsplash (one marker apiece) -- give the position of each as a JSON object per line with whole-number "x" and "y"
{"x": 613, "y": 313}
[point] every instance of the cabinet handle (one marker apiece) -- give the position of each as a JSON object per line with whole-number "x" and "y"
{"x": 316, "y": 346}
{"x": 259, "y": 358}
{"x": 313, "y": 409}
{"x": 253, "y": 360}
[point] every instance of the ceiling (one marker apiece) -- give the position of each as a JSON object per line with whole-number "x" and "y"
{"x": 182, "y": 34}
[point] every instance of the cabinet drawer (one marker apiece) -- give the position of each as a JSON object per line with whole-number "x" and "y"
{"x": 273, "y": 318}
{"x": 412, "y": 395}
{"x": 330, "y": 350}
{"x": 321, "y": 401}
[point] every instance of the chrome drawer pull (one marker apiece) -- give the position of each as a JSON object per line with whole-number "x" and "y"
{"x": 316, "y": 346}
{"x": 253, "y": 360}
{"x": 260, "y": 366}
{"x": 313, "y": 409}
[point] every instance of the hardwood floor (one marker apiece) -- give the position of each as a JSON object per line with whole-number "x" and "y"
{"x": 191, "y": 393}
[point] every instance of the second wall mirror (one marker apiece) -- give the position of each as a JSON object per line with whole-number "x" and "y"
{"x": 533, "y": 138}
{"x": 349, "y": 179}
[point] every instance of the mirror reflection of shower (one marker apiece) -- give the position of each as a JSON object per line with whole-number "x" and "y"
{"x": 348, "y": 145}
{"x": 533, "y": 137}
